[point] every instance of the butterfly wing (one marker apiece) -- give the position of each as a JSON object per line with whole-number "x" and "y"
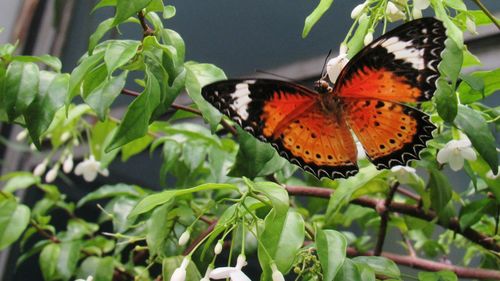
{"x": 391, "y": 133}
{"x": 289, "y": 117}
{"x": 400, "y": 66}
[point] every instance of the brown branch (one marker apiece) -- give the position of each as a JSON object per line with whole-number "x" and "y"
{"x": 148, "y": 31}
{"x": 411, "y": 210}
{"x": 44, "y": 233}
{"x": 223, "y": 122}
{"x": 383, "y": 210}
{"x": 408, "y": 194}
{"x": 200, "y": 238}
{"x": 414, "y": 262}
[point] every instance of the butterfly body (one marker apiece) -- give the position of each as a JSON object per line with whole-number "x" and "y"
{"x": 371, "y": 98}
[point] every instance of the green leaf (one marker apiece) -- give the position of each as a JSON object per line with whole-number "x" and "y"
{"x": 52, "y": 93}
{"x": 171, "y": 263}
{"x": 471, "y": 90}
{"x": 48, "y": 261}
{"x": 480, "y": 18}
{"x": 331, "y": 246}
{"x": 357, "y": 41}
{"x": 135, "y": 147}
{"x": 255, "y": 158}
{"x": 68, "y": 258}
{"x": 366, "y": 272}
{"x": 348, "y": 271}
{"x": 446, "y": 100}
{"x": 476, "y": 128}
{"x": 159, "y": 226}
{"x": 101, "y": 29}
{"x": 126, "y": 9}
{"x": 110, "y": 191}
{"x": 101, "y": 269}
{"x": 452, "y": 60}
{"x": 171, "y": 37}
{"x": 437, "y": 276}
{"x": 21, "y": 87}
{"x": 136, "y": 120}
{"x": 440, "y": 189}
{"x": 101, "y": 98}
{"x": 18, "y": 180}
{"x": 452, "y": 30}
{"x": 381, "y": 266}
{"x": 282, "y": 238}
{"x": 472, "y": 212}
{"x": 14, "y": 219}
{"x": 197, "y": 76}
{"x": 78, "y": 74}
{"x": 171, "y": 153}
{"x": 470, "y": 59}
{"x": 104, "y": 3}
{"x": 168, "y": 12}
{"x": 275, "y": 193}
{"x": 120, "y": 52}
{"x": 52, "y": 62}
{"x": 151, "y": 201}
{"x": 314, "y": 17}
{"x": 456, "y": 4}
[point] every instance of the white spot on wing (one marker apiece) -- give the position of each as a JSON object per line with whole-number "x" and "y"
{"x": 404, "y": 50}
{"x": 241, "y": 99}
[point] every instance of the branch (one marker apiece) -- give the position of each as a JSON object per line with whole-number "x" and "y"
{"x": 411, "y": 210}
{"x": 223, "y": 122}
{"x": 414, "y": 262}
{"x": 148, "y": 31}
{"x": 200, "y": 238}
{"x": 383, "y": 210}
{"x": 487, "y": 12}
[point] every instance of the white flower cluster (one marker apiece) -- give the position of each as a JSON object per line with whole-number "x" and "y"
{"x": 89, "y": 168}
{"x": 455, "y": 152}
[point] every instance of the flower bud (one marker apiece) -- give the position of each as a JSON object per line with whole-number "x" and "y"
{"x": 393, "y": 13}
{"x": 180, "y": 272}
{"x": 368, "y": 38}
{"x": 417, "y": 13}
{"x": 52, "y": 174}
{"x": 68, "y": 164}
{"x": 22, "y": 135}
{"x": 421, "y": 4}
{"x": 358, "y": 10}
{"x": 40, "y": 168}
{"x": 471, "y": 25}
{"x": 184, "y": 238}
{"x": 241, "y": 261}
{"x": 218, "y": 248}
{"x": 276, "y": 275}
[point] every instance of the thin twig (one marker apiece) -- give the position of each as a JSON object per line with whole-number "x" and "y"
{"x": 223, "y": 122}
{"x": 487, "y": 12}
{"x": 408, "y": 194}
{"x": 411, "y": 210}
{"x": 200, "y": 238}
{"x": 148, "y": 31}
{"x": 44, "y": 233}
{"x": 384, "y": 218}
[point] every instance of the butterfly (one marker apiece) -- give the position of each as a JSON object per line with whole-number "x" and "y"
{"x": 373, "y": 97}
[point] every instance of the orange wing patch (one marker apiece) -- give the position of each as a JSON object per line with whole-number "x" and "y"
{"x": 392, "y": 134}
{"x": 381, "y": 84}
{"x": 318, "y": 143}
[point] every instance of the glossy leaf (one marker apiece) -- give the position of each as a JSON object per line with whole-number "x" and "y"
{"x": 476, "y": 128}
{"x": 437, "y": 276}
{"x": 48, "y": 261}
{"x": 101, "y": 269}
{"x": 381, "y": 266}
{"x": 159, "y": 226}
{"x": 348, "y": 271}
{"x": 52, "y": 62}
{"x": 126, "y": 9}
{"x": 486, "y": 83}
{"x": 120, "y": 52}
{"x": 356, "y": 43}
{"x": 446, "y": 100}
{"x": 314, "y": 17}
{"x": 78, "y": 74}
{"x": 18, "y": 180}
{"x": 109, "y": 191}
{"x": 68, "y": 258}
{"x": 472, "y": 212}
{"x": 197, "y": 76}
{"x": 452, "y": 60}
{"x": 135, "y": 147}
{"x": 14, "y": 219}
{"x": 331, "y": 246}
{"x": 101, "y": 98}
{"x": 101, "y": 29}
{"x": 21, "y": 87}
{"x": 440, "y": 189}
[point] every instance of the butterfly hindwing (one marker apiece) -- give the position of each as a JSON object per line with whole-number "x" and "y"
{"x": 400, "y": 66}
{"x": 391, "y": 133}
{"x": 288, "y": 116}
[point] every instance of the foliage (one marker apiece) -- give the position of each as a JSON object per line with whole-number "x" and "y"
{"x": 228, "y": 186}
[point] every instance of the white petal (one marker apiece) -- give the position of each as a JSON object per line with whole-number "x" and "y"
{"x": 68, "y": 164}
{"x": 468, "y": 153}
{"x": 471, "y": 25}
{"x": 22, "y": 135}
{"x": 421, "y": 4}
{"x": 238, "y": 275}
{"x": 222, "y": 272}
{"x": 90, "y": 278}
{"x": 241, "y": 261}
{"x": 104, "y": 172}
{"x": 491, "y": 176}
{"x": 218, "y": 248}
{"x": 51, "y": 174}
{"x": 89, "y": 175}
{"x": 184, "y": 238}
{"x": 40, "y": 169}
{"x": 443, "y": 155}
{"x": 456, "y": 161}
{"x": 368, "y": 38}
{"x": 462, "y": 143}
{"x": 356, "y": 12}
{"x": 80, "y": 167}
{"x": 179, "y": 275}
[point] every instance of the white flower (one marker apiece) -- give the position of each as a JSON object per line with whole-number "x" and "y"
{"x": 65, "y": 136}
{"x": 276, "y": 275}
{"x": 218, "y": 248}
{"x": 180, "y": 272}
{"x": 421, "y": 4}
{"x": 368, "y": 38}
{"x": 90, "y": 278}
{"x": 358, "y": 10}
{"x": 417, "y": 13}
{"x": 68, "y": 164}
{"x": 234, "y": 273}
{"x": 89, "y": 169}
{"x": 471, "y": 25}
{"x": 41, "y": 167}
{"x": 52, "y": 174}
{"x": 491, "y": 176}
{"x": 393, "y": 13}
{"x": 404, "y": 174}
{"x": 22, "y": 135}
{"x": 184, "y": 238}
{"x": 335, "y": 65}
{"x": 454, "y": 153}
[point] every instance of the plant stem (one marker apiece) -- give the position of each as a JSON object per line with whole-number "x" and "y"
{"x": 487, "y": 12}
{"x": 384, "y": 219}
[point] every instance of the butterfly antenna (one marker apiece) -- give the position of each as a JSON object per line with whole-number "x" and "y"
{"x": 323, "y": 72}
{"x": 277, "y": 75}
